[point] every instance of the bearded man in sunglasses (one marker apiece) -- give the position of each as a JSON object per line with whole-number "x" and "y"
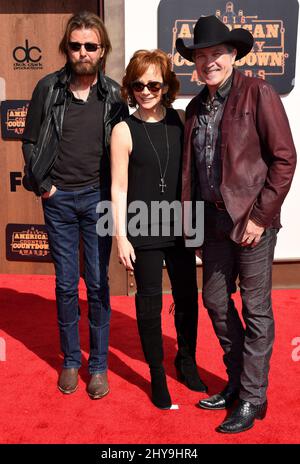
{"x": 66, "y": 152}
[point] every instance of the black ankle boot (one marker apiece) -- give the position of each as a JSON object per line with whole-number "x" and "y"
{"x": 160, "y": 393}
{"x": 149, "y": 326}
{"x": 187, "y": 373}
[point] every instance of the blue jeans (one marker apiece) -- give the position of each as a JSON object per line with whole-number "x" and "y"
{"x": 69, "y": 216}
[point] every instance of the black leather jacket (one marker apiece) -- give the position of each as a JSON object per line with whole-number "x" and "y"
{"x": 44, "y": 121}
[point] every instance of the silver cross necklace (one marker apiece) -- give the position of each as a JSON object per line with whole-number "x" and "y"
{"x": 162, "y": 185}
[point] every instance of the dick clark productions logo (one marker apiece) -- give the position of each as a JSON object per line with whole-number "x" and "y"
{"x": 27, "y": 57}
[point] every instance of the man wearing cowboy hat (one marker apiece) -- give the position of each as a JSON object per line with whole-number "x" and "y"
{"x": 239, "y": 158}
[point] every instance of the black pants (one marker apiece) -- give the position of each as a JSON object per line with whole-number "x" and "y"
{"x": 181, "y": 267}
{"x": 247, "y": 351}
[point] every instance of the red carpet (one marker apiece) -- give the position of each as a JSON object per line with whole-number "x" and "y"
{"x": 34, "y": 411}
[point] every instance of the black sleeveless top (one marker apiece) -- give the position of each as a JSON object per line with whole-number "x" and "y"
{"x": 148, "y": 224}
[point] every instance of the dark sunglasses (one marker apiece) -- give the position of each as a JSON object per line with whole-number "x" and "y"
{"x": 153, "y": 86}
{"x": 89, "y": 46}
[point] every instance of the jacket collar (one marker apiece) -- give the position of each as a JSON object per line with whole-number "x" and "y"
{"x": 230, "y": 108}
{"x": 233, "y": 97}
{"x": 237, "y": 83}
{"x": 64, "y": 77}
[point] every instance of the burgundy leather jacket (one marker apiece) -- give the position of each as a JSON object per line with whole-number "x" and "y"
{"x": 258, "y": 155}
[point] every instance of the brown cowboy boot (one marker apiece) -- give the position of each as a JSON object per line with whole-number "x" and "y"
{"x": 98, "y": 386}
{"x": 68, "y": 380}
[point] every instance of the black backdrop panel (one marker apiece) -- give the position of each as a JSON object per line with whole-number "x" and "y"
{"x": 273, "y": 24}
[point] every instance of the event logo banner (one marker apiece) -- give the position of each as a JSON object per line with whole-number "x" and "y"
{"x": 13, "y": 116}
{"x": 273, "y": 25}
{"x": 27, "y": 242}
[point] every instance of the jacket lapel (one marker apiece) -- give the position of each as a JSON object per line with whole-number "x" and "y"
{"x": 230, "y": 110}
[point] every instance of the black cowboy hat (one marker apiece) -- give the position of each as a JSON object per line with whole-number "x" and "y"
{"x": 210, "y": 31}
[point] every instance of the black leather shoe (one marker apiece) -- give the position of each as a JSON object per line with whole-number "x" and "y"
{"x": 221, "y": 400}
{"x": 187, "y": 373}
{"x": 243, "y": 417}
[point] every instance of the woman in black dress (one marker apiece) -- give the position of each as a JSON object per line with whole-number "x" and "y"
{"x": 146, "y": 151}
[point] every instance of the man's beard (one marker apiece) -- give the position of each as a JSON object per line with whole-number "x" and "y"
{"x": 85, "y": 69}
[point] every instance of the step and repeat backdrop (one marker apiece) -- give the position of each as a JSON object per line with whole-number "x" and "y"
{"x": 30, "y": 34}
{"x": 275, "y": 57}
{"x": 31, "y": 31}
{"x": 273, "y": 25}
